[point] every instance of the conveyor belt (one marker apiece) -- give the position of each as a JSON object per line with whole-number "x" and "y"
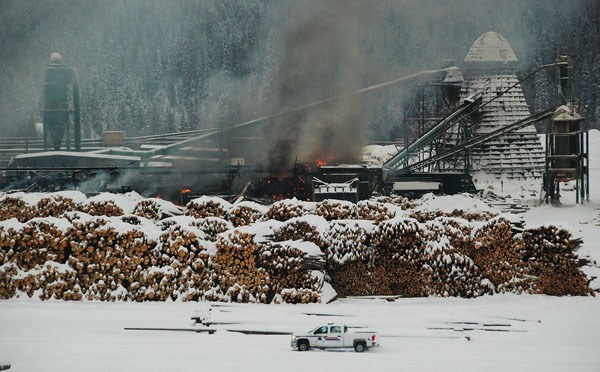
{"x": 479, "y": 140}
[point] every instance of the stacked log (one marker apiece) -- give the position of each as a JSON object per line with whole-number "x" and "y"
{"x": 14, "y": 207}
{"x": 246, "y": 213}
{"x": 55, "y": 206}
{"x": 549, "y": 253}
{"x": 397, "y": 249}
{"x": 287, "y": 209}
{"x": 235, "y": 272}
{"x": 32, "y": 244}
{"x": 155, "y": 209}
{"x": 308, "y": 228}
{"x": 423, "y": 216}
{"x": 374, "y": 211}
{"x": 182, "y": 251}
{"x": 106, "y": 208}
{"x": 207, "y": 207}
{"x": 284, "y": 265}
{"x": 496, "y": 254}
{"x": 348, "y": 253}
{"x": 212, "y": 226}
{"x": 450, "y": 270}
{"x": 400, "y": 201}
{"x": 331, "y": 209}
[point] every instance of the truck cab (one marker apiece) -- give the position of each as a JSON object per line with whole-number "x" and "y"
{"x": 335, "y": 336}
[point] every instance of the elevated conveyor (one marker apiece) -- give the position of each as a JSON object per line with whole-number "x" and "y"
{"x": 477, "y": 141}
{"x": 400, "y": 160}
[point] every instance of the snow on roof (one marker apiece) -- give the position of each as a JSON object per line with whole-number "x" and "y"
{"x": 564, "y": 113}
{"x": 491, "y": 47}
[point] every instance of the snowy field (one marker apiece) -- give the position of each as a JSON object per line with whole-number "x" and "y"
{"x": 509, "y": 333}
{"x": 490, "y": 333}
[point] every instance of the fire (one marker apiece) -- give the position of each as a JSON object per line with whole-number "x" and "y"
{"x": 187, "y": 190}
{"x": 328, "y": 159}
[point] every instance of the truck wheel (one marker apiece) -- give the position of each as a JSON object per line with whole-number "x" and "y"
{"x": 302, "y": 345}
{"x": 359, "y": 347}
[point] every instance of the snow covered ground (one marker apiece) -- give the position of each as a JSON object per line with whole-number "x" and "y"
{"x": 510, "y": 333}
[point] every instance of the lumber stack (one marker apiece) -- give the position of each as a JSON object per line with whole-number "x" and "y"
{"x": 331, "y": 209}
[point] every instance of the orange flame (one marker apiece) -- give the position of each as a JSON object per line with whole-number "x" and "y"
{"x": 187, "y": 190}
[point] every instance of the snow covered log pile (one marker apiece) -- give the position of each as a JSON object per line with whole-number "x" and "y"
{"x": 246, "y": 213}
{"x": 207, "y": 206}
{"x": 143, "y": 250}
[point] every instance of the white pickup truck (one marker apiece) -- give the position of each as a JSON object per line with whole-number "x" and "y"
{"x": 335, "y": 336}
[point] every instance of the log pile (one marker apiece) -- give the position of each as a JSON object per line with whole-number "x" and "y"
{"x": 549, "y": 252}
{"x": 348, "y": 256}
{"x": 245, "y": 213}
{"x": 55, "y": 206}
{"x": 374, "y": 211}
{"x": 336, "y": 209}
{"x": 155, "y": 209}
{"x": 284, "y": 265}
{"x": 36, "y": 242}
{"x": 107, "y": 208}
{"x": 451, "y": 271}
{"x": 207, "y": 207}
{"x": 423, "y": 216}
{"x": 308, "y": 228}
{"x": 235, "y": 272}
{"x": 496, "y": 253}
{"x": 14, "y": 207}
{"x": 132, "y": 258}
{"x": 284, "y": 210}
{"x": 212, "y": 226}
{"x": 400, "y": 201}
{"x": 397, "y": 249}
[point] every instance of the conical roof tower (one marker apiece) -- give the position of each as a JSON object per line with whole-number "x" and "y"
{"x": 490, "y": 68}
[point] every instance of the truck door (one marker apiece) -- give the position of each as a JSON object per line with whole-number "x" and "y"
{"x": 321, "y": 334}
{"x": 333, "y": 337}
